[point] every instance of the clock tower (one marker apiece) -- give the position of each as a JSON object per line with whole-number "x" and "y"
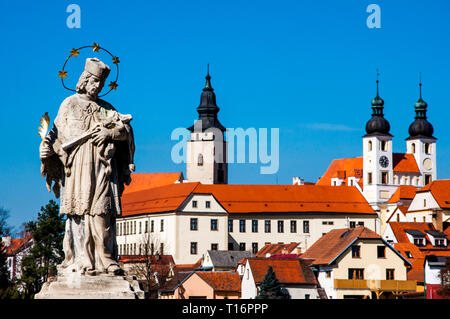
{"x": 421, "y": 142}
{"x": 207, "y": 149}
{"x": 377, "y": 156}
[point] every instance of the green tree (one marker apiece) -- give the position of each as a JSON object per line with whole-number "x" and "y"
{"x": 4, "y": 274}
{"x": 47, "y": 250}
{"x": 5, "y": 230}
{"x": 270, "y": 287}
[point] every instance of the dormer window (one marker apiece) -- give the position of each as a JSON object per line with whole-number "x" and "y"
{"x": 439, "y": 242}
{"x": 408, "y": 254}
{"x": 439, "y": 239}
{"x": 416, "y": 237}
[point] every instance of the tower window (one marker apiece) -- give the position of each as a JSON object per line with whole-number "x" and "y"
{"x": 384, "y": 178}
{"x": 370, "y": 146}
{"x": 383, "y": 145}
{"x": 427, "y": 148}
{"x": 427, "y": 179}
{"x": 413, "y": 148}
{"x": 200, "y": 160}
{"x": 369, "y": 178}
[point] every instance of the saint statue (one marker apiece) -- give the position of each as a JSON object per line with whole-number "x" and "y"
{"x": 88, "y": 155}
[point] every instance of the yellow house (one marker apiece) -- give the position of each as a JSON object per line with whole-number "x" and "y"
{"x": 358, "y": 263}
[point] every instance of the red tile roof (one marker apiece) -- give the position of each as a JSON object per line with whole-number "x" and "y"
{"x": 415, "y": 272}
{"x": 221, "y": 281}
{"x": 18, "y": 244}
{"x": 251, "y": 198}
{"x": 405, "y": 192}
{"x": 440, "y": 189}
{"x": 404, "y": 163}
{"x": 288, "y": 198}
{"x": 142, "y": 181}
{"x": 346, "y": 167}
{"x": 287, "y": 271}
{"x": 158, "y": 199}
{"x": 342, "y": 168}
{"x": 334, "y": 243}
{"x": 274, "y": 249}
{"x": 398, "y": 228}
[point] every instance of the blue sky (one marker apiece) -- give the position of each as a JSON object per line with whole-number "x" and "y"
{"x": 305, "y": 67}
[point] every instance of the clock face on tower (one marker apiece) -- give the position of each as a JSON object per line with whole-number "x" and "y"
{"x": 384, "y": 161}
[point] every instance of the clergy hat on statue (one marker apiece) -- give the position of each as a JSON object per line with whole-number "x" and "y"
{"x": 97, "y": 68}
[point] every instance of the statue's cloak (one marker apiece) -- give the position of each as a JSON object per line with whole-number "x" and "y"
{"x": 92, "y": 176}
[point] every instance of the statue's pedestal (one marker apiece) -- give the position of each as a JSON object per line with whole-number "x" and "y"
{"x": 74, "y": 285}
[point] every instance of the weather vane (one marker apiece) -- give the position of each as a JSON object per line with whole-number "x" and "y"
{"x": 96, "y": 48}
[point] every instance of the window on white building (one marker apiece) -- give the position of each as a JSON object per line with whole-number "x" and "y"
{"x": 306, "y": 226}
{"x": 267, "y": 226}
{"x": 214, "y": 224}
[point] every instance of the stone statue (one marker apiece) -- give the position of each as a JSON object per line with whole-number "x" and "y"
{"x": 88, "y": 155}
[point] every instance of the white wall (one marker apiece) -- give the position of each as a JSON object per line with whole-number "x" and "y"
{"x": 316, "y": 228}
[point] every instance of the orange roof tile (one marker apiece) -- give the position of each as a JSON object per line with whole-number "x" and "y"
{"x": 403, "y": 192}
{"x": 221, "y": 280}
{"x": 274, "y": 249}
{"x": 398, "y": 228}
{"x": 287, "y": 271}
{"x": 440, "y": 189}
{"x": 250, "y": 198}
{"x": 333, "y": 243}
{"x": 403, "y": 162}
{"x": 18, "y": 243}
{"x": 158, "y": 199}
{"x": 415, "y": 272}
{"x": 342, "y": 168}
{"x": 288, "y": 198}
{"x": 142, "y": 181}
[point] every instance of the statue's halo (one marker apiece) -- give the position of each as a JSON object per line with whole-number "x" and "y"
{"x": 95, "y": 47}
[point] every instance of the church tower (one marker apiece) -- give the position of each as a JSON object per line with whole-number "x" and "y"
{"x": 421, "y": 143}
{"x": 207, "y": 149}
{"x": 377, "y": 156}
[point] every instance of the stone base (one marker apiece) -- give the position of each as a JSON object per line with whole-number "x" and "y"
{"x": 74, "y": 285}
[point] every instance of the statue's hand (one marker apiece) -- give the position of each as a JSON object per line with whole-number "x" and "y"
{"x": 45, "y": 151}
{"x": 101, "y": 135}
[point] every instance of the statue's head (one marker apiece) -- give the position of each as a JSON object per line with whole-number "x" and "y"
{"x": 93, "y": 78}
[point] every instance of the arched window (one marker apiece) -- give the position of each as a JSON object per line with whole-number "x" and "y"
{"x": 200, "y": 160}
{"x": 413, "y": 148}
{"x": 370, "y": 145}
{"x": 427, "y": 148}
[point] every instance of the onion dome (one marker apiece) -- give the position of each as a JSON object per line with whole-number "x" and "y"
{"x": 208, "y": 109}
{"x": 377, "y": 125}
{"x": 421, "y": 127}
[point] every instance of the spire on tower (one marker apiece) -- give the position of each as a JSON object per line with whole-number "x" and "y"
{"x": 208, "y": 108}
{"x": 420, "y": 127}
{"x": 377, "y": 125}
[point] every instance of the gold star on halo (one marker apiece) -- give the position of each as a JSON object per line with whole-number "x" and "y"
{"x": 116, "y": 60}
{"x": 113, "y": 85}
{"x": 62, "y": 74}
{"x": 95, "y": 47}
{"x": 74, "y": 52}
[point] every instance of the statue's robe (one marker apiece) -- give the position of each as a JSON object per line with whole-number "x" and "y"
{"x": 93, "y": 178}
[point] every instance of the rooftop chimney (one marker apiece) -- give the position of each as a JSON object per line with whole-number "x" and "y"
{"x": 6, "y": 241}
{"x": 437, "y": 220}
